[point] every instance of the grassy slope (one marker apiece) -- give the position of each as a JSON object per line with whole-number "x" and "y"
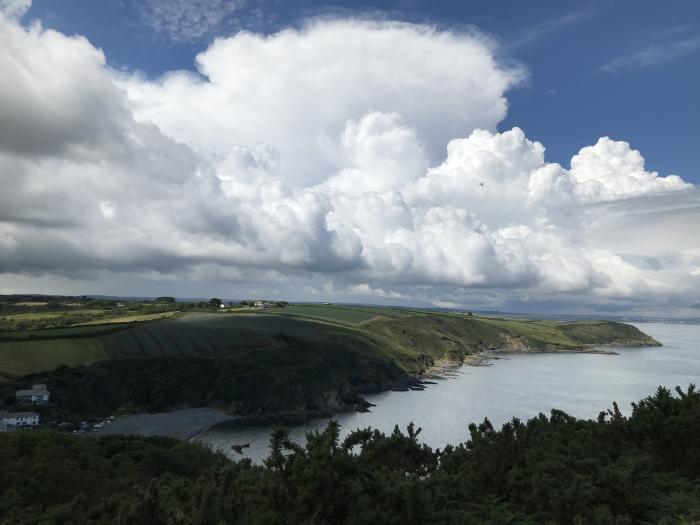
{"x": 607, "y": 333}
{"x": 68, "y": 332}
{"x": 411, "y": 339}
{"x": 24, "y": 357}
{"x": 451, "y": 337}
{"x": 350, "y": 315}
{"x": 268, "y": 363}
{"x": 408, "y": 338}
{"x": 251, "y": 364}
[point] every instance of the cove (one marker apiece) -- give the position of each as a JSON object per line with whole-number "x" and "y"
{"x": 515, "y": 385}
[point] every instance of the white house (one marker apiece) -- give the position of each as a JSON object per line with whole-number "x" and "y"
{"x": 19, "y": 419}
{"x": 37, "y": 395}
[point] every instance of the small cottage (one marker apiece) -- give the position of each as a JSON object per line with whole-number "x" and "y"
{"x": 37, "y": 395}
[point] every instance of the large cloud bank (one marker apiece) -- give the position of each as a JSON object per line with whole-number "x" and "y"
{"x": 348, "y": 158}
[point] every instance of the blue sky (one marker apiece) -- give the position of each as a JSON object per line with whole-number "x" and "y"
{"x": 626, "y": 69}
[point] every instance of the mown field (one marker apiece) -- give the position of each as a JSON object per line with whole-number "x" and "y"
{"x": 129, "y": 317}
{"x": 344, "y": 314}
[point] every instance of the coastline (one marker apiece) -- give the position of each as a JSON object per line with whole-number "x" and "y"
{"x": 189, "y": 424}
{"x": 443, "y": 369}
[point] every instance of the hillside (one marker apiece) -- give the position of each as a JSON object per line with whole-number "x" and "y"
{"x": 293, "y": 362}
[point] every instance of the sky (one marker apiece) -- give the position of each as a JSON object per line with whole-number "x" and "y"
{"x": 531, "y": 157}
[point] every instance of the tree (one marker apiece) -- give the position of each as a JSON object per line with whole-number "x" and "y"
{"x": 215, "y": 302}
{"x": 165, "y": 299}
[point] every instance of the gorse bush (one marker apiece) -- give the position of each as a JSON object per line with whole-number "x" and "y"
{"x": 558, "y": 469}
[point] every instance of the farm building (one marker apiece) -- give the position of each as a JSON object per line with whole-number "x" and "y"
{"x": 37, "y": 395}
{"x": 10, "y": 420}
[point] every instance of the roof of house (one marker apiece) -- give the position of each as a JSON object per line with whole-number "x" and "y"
{"x": 18, "y": 414}
{"x": 32, "y": 392}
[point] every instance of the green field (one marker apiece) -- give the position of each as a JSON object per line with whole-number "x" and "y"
{"x": 129, "y": 317}
{"x": 408, "y": 338}
{"x": 67, "y": 332}
{"x": 24, "y": 357}
{"x": 31, "y": 316}
{"x": 220, "y": 334}
{"x": 343, "y": 314}
{"x": 540, "y": 332}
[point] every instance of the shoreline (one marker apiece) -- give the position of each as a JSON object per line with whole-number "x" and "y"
{"x": 443, "y": 369}
{"x": 179, "y": 424}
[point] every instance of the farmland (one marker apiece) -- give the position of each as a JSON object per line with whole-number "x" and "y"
{"x": 32, "y": 313}
{"x": 405, "y": 337}
{"x": 133, "y": 317}
{"x": 219, "y": 334}
{"x": 293, "y": 361}
{"x": 343, "y": 314}
{"x": 23, "y": 357}
{"x": 68, "y": 332}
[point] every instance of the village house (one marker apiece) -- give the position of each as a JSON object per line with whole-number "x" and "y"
{"x": 12, "y": 420}
{"x": 37, "y": 395}
{"x": 259, "y": 304}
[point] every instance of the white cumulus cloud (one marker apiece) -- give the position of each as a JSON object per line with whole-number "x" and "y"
{"x": 349, "y": 157}
{"x": 14, "y": 9}
{"x": 298, "y": 90}
{"x": 611, "y": 169}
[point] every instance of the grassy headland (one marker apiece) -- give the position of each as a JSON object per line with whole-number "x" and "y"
{"x": 296, "y": 360}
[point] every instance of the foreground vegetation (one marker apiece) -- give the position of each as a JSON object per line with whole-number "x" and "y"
{"x": 558, "y": 469}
